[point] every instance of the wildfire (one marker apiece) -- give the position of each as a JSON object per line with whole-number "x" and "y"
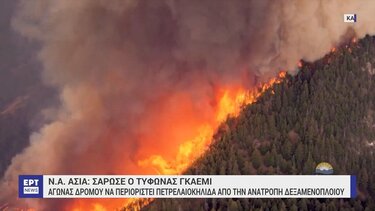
{"x": 186, "y": 152}
{"x": 229, "y": 101}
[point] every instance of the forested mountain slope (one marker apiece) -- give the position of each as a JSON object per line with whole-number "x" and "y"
{"x": 324, "y": 113}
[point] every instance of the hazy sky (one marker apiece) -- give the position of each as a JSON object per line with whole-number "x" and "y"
{"x": 18, "y": 66}
{"x": 19, "y": 78}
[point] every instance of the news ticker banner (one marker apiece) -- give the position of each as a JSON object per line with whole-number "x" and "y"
{"x": 187, "y": 186}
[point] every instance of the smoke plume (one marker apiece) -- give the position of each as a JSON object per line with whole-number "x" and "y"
{"x": 130, "y": 70}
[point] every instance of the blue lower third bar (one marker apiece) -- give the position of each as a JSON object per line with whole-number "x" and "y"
{"x": 353, "y": 186}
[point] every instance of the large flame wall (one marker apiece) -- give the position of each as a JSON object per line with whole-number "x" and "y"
{"x": 183, "y": 137}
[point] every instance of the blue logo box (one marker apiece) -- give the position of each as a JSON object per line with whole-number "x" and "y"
{"x": 30, "y": 186}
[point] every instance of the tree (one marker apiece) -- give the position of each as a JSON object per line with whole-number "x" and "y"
{"x": 256, "y": 158}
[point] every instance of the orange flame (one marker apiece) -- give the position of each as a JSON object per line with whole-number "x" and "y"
{"x": 230, "y": 101}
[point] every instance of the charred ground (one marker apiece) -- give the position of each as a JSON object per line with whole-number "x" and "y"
{"x": 324, "y": 113}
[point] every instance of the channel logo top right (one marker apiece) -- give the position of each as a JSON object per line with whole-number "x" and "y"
{"x": 350, "y": 18}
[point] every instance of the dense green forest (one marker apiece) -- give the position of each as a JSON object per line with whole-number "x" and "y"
{"x": 324, "y": 113}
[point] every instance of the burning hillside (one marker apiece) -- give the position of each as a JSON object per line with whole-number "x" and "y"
{"x": 230, "y": 102}
{"x": 324, "y": 113}
{"x": 144, "y": 84}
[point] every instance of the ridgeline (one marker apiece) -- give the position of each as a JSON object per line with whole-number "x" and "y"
{"x": 325, "y": 113}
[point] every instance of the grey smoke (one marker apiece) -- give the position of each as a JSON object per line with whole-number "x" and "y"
{"x": 117, "y": 63}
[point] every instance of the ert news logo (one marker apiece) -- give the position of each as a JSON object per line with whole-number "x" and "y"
{"x": 30, "y": 186}
{"x": 350, "y": 18}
